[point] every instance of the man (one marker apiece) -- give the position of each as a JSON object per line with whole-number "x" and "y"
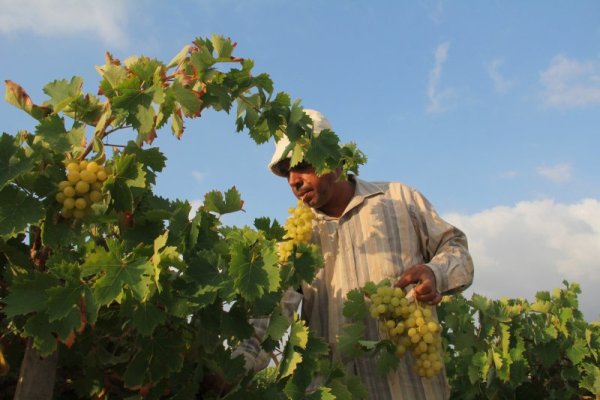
{"x": 369, "y": 232}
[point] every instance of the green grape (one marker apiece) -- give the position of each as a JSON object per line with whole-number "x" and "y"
{"x": 82, "y": 187}
{"x": 95, "y": 196}
{"x": 298, "y": 228}
{"x": 80, "y": 203}
{"x": 69, "y": 203}
{"x": 93, "y": 167}
{"x": 411, "y": 327}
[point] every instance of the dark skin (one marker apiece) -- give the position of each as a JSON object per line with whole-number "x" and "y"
{"x": 330, "y": 195}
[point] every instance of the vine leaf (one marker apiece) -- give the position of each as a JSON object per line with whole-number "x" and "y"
{"x": 253, "y": 264}
{"x": 355, "y": 307}
{"x": 349, "y": 340}
{"x": 30, "y": 211}
{"x": 135, "y": 276}
{"x": 13, "y": 161}
{"x": 51, "y": 131}
{"x": 63, "y": 92}
{"x": 15, "y": 95}
{"x": 231, "y": 202}
{"x": 28, "y": 294}
{"x": 146, "y": 317}
{"x": 577, "y": 351}
{"x": 62, "y": 300}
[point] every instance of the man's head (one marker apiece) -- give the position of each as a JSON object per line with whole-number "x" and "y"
{"x": 319, "y": 122}
{"x": 325, "y": 192}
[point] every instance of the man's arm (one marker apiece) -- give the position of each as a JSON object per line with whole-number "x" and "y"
{"x": 448, "y": 266}
{"x": 255, "y": 357}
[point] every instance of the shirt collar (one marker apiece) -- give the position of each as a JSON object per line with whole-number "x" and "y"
{"x": 362, "y": 191}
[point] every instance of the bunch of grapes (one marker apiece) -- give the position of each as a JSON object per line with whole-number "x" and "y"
{"x": 82, "y": 188}
{"x": 410, "y": 326}
{"x": 298, "y": 229}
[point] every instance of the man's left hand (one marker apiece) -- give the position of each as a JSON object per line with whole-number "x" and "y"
{"x": 424, "y": 280}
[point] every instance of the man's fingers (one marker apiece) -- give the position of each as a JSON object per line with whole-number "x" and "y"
{"x": 425, "y": 289}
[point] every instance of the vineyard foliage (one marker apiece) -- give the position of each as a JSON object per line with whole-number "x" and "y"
{"x": 500, "y": 349}
{"x": 141, "y": 296}
{"x": 138, "y": 299}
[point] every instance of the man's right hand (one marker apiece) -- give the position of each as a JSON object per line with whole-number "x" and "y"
{"x": 424, "y": 280}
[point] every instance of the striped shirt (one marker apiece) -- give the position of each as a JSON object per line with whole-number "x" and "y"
{"x": 385, "y": 229}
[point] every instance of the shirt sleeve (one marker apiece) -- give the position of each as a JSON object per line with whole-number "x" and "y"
{"x": 255, "y": 358}
{"x": 445, "y": 248}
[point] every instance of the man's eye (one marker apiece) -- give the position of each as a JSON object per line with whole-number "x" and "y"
{"x": 302, "y": 166}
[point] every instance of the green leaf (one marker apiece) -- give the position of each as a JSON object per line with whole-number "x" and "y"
{"x": 323, "y": 148}
{"x": 278, "y": 325}
{"x": 144, "y": 118}
{"x": 188, "y": 99}
{"x": 298, "y": 333}
{"x": 30, "y": 211}
{"x": 271, "y": 230}
{"x": 591, "y": 378}
{"x": 52, "y": 133}
{"x": 340, "y": 390}
{"x": 222, "y": 46}
{"x": 28, "y": 294}
{"x": 135, "y": 373}
{"x": 62, "y": 92}
{"x": 91, "y": 307}
{"x": 305, "y": 261}
{"x": 62, "y": 300}
{"x": 146, "y": 317}
{"x": 121, "y": 196}
{"x": 354, "y": 306}
{"x": 541, "y": 306}
{"x": 135, "y": 276}
{"x": 386, "y": 362}
{"x": 323, "y": 393}
{"x": 158, "y": 357}
{"x": 481, "y": 365}
{"x": 117, "y": 273}
{"x": 38, "y": 328}
{"x": 297, "y": 154}
{"x": 180, "y": 57}
{"x": 231, "y": 202}
{"x": 253, "y": 264}
{"x": 349, "y": 340}
{"x": 45, "y": 333}
{"x": 129, "y": 170}
{"x": 578, "y": 351}
{"x": 13, "y": 161}
{"x": 290, "y": 362}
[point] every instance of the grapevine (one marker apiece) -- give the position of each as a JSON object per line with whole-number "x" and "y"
{"x": 298, "y": 229}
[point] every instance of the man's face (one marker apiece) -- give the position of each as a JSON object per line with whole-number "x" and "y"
{"x": 315, "y": 191}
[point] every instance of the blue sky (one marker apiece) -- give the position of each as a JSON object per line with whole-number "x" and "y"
{"x": 491, "y": 109}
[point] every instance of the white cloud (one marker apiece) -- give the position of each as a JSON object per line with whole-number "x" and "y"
{"x": 501, "y": 84}
{"x": 199, "y": 176}
{"x": 106, "y": 19}
{"x": 534, "y": 246}
{"x": 558, "y": 173}
{"x": 437, "y": 98}
{"x": 435, "y": 9}
{"x": 195, "y": 205}
{"x": 508, "y": 174}
{"x": 571, "y": 83}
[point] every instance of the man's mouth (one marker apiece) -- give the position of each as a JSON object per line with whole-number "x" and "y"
{"x": 303, "y": 193}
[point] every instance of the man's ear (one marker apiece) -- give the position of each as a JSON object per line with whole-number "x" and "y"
{"x": 337, "y": 173}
